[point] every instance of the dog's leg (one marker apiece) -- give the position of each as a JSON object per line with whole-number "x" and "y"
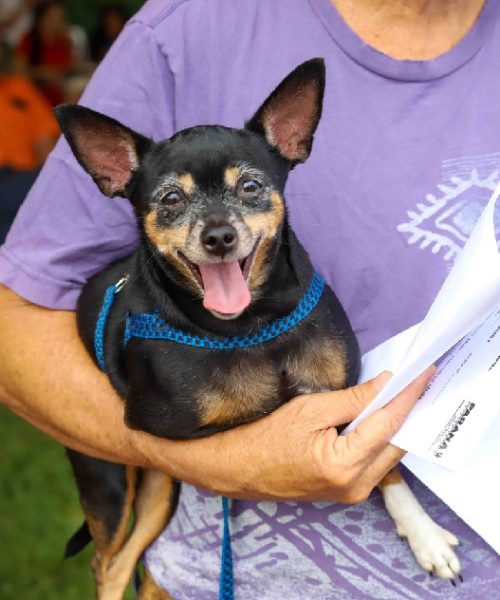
{"x": 106, "y": 492}
{"x": 108, "y": 543}
{"x": 431, "y": 545}
{"x": 151, "y": 591}
{"x": 152, "y": 507}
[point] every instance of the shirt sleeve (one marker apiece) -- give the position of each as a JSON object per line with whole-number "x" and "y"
{"x": 66, "y": 230}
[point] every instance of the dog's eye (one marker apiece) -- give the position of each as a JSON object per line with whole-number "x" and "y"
{"x": 172, "y": 198}
{"x": 250, "y": 187}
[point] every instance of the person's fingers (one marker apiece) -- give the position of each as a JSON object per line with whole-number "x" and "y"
{"x": 337, "y": 408}
{"x": 386, "y": 460}
{"x": 374, "y": 471}
{"x": 374, "y": 432}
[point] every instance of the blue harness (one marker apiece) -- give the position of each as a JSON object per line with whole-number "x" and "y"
{"x": 152, "y": 327}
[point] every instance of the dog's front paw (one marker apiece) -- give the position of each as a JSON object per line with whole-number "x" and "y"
{"x": 432, "y": 547}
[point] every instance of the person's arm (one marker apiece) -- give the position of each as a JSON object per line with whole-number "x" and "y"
{"x": 47, "y": 377}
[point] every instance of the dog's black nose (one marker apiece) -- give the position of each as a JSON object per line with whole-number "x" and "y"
{"x": 219, "y": 239}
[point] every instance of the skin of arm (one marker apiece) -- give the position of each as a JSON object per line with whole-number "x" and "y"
{"x": 47, "y": 378}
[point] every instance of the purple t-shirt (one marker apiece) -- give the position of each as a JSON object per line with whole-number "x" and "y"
{"x": 404, "y": 159}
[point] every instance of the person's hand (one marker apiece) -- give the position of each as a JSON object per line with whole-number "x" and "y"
{"x": 296, "y": 453}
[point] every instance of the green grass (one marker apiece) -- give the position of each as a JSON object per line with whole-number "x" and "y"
{"x": 39, "y": 511}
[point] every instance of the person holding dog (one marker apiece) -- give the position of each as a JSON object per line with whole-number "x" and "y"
{"x": 409, "y": 126}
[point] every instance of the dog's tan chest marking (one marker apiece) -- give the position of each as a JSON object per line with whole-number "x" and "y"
{"x": 321, "y": 365}
{"x": 253, "y": 386}
{"x": 244, "y": 392}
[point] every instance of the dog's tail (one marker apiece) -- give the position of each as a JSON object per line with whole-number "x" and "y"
{"x": 78, "y": 541}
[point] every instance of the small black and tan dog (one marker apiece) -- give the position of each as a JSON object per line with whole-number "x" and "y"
{"x": 217, "y": 259}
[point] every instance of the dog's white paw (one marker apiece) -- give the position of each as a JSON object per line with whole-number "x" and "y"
{"x": 432, "y": 546}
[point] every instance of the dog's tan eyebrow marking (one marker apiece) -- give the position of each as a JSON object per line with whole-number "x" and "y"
{"x": 231, "y": 176}
{"x": 186, "y": 182}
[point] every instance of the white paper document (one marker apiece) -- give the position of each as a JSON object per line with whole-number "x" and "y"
{"x": 453, "y": 432}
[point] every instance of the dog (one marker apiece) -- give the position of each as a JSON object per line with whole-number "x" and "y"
{"x": 217, "y": 262}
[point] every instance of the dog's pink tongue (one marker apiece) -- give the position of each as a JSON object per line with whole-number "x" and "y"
{"x": 226, "y": 290}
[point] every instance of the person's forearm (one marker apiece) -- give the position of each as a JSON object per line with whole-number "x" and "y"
{"x": 47, "y": 377}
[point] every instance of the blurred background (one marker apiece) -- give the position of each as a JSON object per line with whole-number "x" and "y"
{"x": 48, "y": 51}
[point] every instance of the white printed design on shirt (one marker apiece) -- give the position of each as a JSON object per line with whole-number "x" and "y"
{"x": 443, "y": 221}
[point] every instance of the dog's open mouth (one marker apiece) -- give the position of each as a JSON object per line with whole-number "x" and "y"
{"x": 225, "y": 284}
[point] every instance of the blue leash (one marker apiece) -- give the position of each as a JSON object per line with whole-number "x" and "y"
{"x": 151, "y": 326}
{"x": 226, "y": 582}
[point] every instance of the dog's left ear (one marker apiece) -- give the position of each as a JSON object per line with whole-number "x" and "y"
{"x": 106, "y": 149}
{"x": 289, "y": 117}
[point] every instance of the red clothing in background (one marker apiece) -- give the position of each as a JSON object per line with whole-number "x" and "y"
{"x": 57, "y": 55}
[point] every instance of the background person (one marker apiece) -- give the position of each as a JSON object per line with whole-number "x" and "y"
{"x": 111, "y": 20}
{"x": 28, "y": 132}
{"x": 46, "y": 53}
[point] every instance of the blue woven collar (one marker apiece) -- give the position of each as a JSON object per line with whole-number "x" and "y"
{"x": 152, "y": 327}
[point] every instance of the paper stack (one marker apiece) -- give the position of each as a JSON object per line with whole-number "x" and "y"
{"x": 453, "y": 433}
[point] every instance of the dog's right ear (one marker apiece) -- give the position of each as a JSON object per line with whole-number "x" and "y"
{"x": 290, "y": 115}
{"x": 106, "y": 149}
